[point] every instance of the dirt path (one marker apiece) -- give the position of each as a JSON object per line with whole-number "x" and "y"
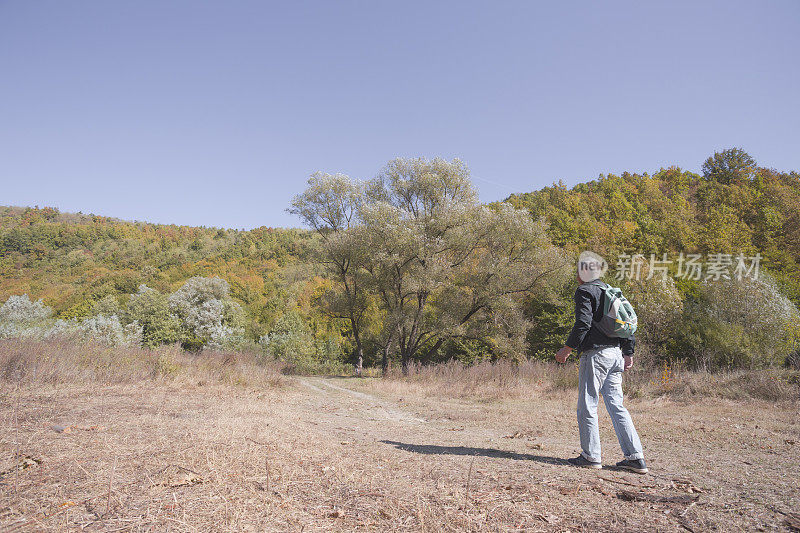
{"x": 357, "y": 454}
{"x": 368, "y": 402}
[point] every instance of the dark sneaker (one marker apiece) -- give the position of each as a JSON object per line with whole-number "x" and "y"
{"x": 634, "y": 465}
{"x": 583, "y": 462}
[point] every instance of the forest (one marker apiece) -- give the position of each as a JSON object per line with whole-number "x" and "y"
{"x": 409, "y": 267}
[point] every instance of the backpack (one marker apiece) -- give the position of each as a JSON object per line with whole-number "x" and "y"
{"x": 619, "y": 319}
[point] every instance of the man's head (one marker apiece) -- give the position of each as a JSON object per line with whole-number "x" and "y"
{"x": 590, "y": 267}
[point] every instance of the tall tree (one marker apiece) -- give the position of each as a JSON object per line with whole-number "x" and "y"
{"x": 446, "y": 267}
{"x": 415, "y": 209}
{"x": 331, "y": 204}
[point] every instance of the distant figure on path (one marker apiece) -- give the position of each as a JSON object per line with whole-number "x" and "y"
{"x": 603, "y": 359}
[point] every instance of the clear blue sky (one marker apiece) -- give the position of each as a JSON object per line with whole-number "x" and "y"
{"x": 215, "y": 113}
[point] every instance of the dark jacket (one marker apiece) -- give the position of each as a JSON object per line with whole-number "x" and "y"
{"x": 588, "y": 309}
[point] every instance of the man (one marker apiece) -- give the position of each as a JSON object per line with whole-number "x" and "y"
{"x": 603, "y": 359}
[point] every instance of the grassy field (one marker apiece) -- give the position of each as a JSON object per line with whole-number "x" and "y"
{"x": 221, "y": 445}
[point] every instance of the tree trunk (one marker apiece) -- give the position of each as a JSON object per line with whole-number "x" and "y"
{"x": 434, "y": 348}
{"x": 387, "y": 348}
{"x": 359, "y": 360}
{"x": 385, "y": 358}
{"x": 405, "y": 350}
{"x": 359, "y": 364}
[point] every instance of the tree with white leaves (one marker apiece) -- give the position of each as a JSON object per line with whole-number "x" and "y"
{"x": 21, "y": 311}
{"x": 207, "y": 313}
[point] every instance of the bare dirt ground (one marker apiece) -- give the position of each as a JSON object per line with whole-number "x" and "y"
{"x": 350, "y": 455}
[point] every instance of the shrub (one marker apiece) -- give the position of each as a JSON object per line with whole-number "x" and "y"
{"x": 794, "y": 359}
{"x": 10, "y": 330}
{"x": 746, "y": 323}
{"x": 108, "y": 305}
{"x": 151, "y": 309}
{"x": 107, "y": 330}
{"x": 207, "y": 313}
{"x": 659, "y": 308}
{"x": 290, "y": 340}
{"x": 20, "y": 310}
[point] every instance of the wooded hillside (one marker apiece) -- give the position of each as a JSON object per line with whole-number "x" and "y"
{"x": 734, "y": 207}
{"x": 72, "y": 261}
{"x": 84, "y": 265}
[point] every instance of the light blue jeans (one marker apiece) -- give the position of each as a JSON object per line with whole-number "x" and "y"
{"x": 601, "y": 373}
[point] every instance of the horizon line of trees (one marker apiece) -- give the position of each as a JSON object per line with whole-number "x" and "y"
{"x": 410, "y": 267}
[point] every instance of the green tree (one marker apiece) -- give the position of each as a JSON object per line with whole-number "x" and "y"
{"x": 107, "y": 306}
{"x": 290, "y": 340}
{"x": 729, "y": 166}
{"x": 151, "y": 310}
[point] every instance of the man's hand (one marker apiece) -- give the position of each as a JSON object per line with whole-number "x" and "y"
{"x": 563, "y": 353}
{"x": 628, "y": 361}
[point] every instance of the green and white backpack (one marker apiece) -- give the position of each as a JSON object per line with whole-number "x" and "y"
{"x": 619, "y": 319}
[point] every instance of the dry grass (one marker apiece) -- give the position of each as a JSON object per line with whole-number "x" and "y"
{"x": 772, "y": 384}
{"x": 504, "y": 380}
{"x": 61, "y": 361}
{"x": 485, "y": 380}
{"x": 87, "y": 449}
